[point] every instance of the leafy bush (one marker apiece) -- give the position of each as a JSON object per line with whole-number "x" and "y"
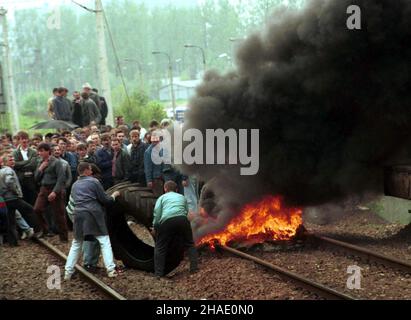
{"x": 34, "y": 104}
{"x": 140, "y": 108}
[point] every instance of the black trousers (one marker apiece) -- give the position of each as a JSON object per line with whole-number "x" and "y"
{"x": 139, "y": 178}
{"x": 29, "y": 189}
{"x": 26, "y": 211}
{"x": 178, "y": 226}
{"x": 107, "y": 183}
{"x": 12, "y": 236}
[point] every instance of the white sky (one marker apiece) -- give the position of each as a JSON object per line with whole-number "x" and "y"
{"x": 21, "y": 4}
{"x": 13, "y": 5}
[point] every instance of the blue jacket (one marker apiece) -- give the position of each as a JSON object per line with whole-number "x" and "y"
{"x": 152, "y": 170}
{"x": 89, "y": 201}
{"x": 73, "y": 162}
{"x": 104, "y": 160}
{"x": 61, "y": 108}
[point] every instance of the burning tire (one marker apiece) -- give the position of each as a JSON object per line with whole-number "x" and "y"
{"x": 137, "y": 202}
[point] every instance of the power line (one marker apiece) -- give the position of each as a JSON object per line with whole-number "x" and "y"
{"x": 86, "y": 8}
{"x": 112, "y": 44}
{"x": 116, "y": 56}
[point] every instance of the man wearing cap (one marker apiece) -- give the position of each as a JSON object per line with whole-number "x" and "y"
{"x": 92, "y": 95}
{"x": 103, "y": 107}
{"x": 90, "y": 110}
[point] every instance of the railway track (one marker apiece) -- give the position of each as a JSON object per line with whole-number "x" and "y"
{"x": 104, "y": 288}
{"x": 316, "y": 286}
{"x": 365, "y": 253}
{"x": 299, "y": 280}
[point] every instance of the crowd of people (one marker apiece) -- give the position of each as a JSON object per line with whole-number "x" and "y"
{"x": 85, "y": 108}
{"x": 49, "y": 182}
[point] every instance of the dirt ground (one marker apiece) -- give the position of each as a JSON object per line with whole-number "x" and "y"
{"x": 23, "y": 270}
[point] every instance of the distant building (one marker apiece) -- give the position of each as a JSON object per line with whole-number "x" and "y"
{"x": 183, "y": 90}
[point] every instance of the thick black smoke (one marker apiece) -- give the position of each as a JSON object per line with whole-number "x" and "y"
{"x": 332, "y": 104}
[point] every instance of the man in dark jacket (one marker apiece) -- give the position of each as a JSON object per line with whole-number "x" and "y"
{"x": 89, "y": 219}
{"x": 26, "y": 163}
{"x": 121, "y": 162}
{"x": 51, "y": 176}
{"x": 91, "y": 152}
{"x": 68, "y": 156}
{"x": 61, "y": 106}
{"x": 77, "y": 116}
{"x": 104, "y": 160}
{"x": 90, "y": 110}
{"x": 93, "y": 96}
{"x": 136, "y": 150}
{"x": 103, "y": 108}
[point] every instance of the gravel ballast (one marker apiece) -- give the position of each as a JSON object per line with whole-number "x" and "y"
{"x": 23, "y": 270}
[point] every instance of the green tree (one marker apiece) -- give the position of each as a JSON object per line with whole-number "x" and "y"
{"x": 34, "y": 104}
{"x": 141, "y": 109}
{"x": 45, "y": 58}
{"x": 153, "y": 111}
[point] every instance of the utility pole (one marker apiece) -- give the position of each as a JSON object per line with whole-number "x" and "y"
{"x": 8, "y": 72}
{"x": 102, "y": 62}
{"x": 170, "y": 75}
{"x": 202, "y": 54}
{"x": 173, "y": 98}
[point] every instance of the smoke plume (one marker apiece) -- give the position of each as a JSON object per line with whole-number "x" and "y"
{"x": 332, "y": 104}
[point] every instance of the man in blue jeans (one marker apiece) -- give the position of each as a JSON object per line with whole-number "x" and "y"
{"x": 89, "y": 198}
{"x": 91, "y": 247}
{"x": 170, "y": 220}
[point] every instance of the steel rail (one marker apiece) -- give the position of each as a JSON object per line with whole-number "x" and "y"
{"x": 366, "y": 253}
{"x": 91, "y": 278}
{"x": 312, "y": 286}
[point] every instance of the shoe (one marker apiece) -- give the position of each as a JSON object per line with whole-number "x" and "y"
{"x": 28, "y": 234}
{"x": 112, "y": 273}
{"x": 120, "y": 269}
{"x": 91, "y": 269}
{"x": 67, "y": 276}
{"x": 39, "y": 235}
{"x": 194, "y": 270}
{"x": 50, "y": 234}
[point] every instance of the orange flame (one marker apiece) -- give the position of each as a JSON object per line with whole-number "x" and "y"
{"x": 260, "y": 221}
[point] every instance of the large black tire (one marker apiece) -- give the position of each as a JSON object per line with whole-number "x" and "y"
{"x": 138, "y": 202}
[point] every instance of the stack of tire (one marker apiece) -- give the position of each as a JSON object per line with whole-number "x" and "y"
{"x": 138, "y": 202}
